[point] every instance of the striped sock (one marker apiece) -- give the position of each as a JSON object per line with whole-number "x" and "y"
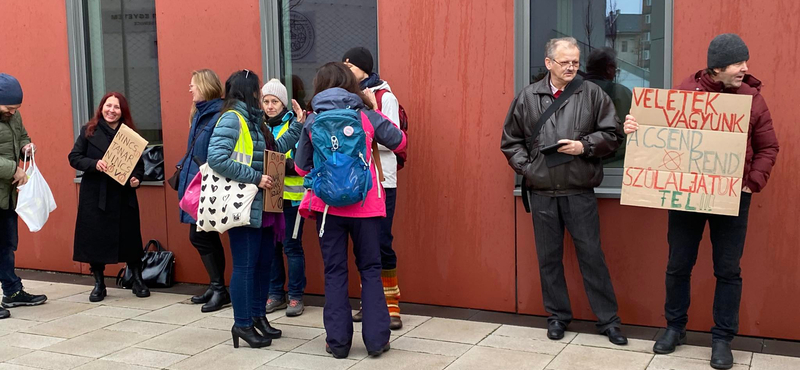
{"x": 391, "y": 291}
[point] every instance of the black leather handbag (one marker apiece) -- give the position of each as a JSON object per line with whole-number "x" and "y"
{"x": 158, "y": 268}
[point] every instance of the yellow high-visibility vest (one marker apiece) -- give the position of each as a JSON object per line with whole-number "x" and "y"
{"x": 292, "y": 185}
{"x": 243, "y": 151}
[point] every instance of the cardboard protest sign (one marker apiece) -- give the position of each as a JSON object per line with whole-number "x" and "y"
{"x": 689, "y": 151}
{"x": 123, "y": 153}
{"x": 275, "y": 166}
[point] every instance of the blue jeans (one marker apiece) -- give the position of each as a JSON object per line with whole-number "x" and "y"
{"x": 251, "y": 250}
{"x": 294, "y": 256}
{"x": 8, "y": 245}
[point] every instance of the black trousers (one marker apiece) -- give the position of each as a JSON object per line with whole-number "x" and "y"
{"x": 727, "y": 240}
{"x": 579, "y": 214}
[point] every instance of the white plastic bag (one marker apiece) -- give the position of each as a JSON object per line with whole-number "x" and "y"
{"x": 35, "y": 201}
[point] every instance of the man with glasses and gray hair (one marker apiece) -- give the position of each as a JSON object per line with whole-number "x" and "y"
{"x": 555, "y": 135}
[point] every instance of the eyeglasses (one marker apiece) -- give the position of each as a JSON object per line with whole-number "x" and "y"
{"x": 568, "y": 64}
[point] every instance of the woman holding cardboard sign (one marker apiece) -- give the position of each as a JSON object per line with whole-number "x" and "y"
{"x": 107, "y": 229}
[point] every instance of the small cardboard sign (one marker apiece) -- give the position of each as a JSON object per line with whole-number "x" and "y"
{"x": 123, "y": 153}
{"x": 689, "y": 151}
{"x": 274, "y": 166}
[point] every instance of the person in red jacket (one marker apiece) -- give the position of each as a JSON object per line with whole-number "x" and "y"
{"x": 726, "y": 73}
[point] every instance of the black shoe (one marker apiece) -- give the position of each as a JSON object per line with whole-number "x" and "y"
{"x": 336, "y": 354}
{"x": 555, "y": 329}
{"x": 615, "y": 336}
{"x": 99, "y": 292}
{"x": 379, "y": 352}
{"x": 250, "y": 335}
{"x": 219, "y": 299}
{"x": 203, "y": 298}
{"x": 4, "y": 313}
{"x": 358, "y": 316}
{"x": 395, "y": 323}
{"x": 139, "y": 288}
{"x": 721, "y": 355}
{"x": 22, "y": 298}
{"x": 267, "y": 331}
{"x": 671, "y": 339}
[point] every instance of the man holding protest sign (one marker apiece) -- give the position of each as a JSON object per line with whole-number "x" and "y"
{"x": 556, "y": 133}
{"x": 726, "y": 73}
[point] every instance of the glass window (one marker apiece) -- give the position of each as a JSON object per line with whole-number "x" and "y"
{"x": 122, "y": 56}
{"x": 617, "y": 34}
{"x": 313, "y": 33}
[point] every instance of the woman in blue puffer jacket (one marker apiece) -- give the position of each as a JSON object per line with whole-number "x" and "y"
{"x": 253, "y": 245}
{"x": 206, "y": 91}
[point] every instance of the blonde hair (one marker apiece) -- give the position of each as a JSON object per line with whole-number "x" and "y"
{"x": 208, "y": 84}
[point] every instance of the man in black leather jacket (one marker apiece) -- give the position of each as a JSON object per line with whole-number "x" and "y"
{"x": 562, "y": 186}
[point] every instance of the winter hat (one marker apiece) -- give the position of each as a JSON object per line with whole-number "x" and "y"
{"x": 359, "y": 57}
{"x": 275, "y": 87}
{"x": 10, "y": 90}
{"x": 727, "y": 49}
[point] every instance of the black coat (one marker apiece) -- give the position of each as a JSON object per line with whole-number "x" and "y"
{"x": 107, "y": 229}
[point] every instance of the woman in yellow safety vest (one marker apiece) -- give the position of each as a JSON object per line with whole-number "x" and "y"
{"x": 286, "y": 126}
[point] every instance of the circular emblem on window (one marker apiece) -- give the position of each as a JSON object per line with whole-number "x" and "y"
{"x": 294, "y": 3}
{"x": 348, "y": 131}
{"x": 302, "y": 34}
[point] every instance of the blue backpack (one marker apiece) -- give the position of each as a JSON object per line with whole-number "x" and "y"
{"x": 341, "y": 174}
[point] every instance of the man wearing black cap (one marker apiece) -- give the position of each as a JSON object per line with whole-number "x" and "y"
{"x": 359, "y": 60}
{"x": 726, "y": 73}
{"x": 14, "y": 143}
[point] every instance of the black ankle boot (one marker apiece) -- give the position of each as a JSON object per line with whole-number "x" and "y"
{"x": 262, "y": 324}
{"x": 721, "y": 354}
{"x": 205, "y": 297}
{"x": 99, "y": 292}
{"x": 250, "y": 336}
{"x": 669, "y": 340}
{"x": 219, "y": 294}
{"x": 139, "y": 288}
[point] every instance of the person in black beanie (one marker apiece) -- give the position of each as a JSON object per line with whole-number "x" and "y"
{"x": 726, "y": 72}
{"x": 15, "y": 144}
{"x": 360, "y": 62}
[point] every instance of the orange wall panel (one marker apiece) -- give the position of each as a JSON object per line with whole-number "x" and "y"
{"x": 34, "y": 50}
{"x": 224, "y": 37}
{"x": 451, "y": 65}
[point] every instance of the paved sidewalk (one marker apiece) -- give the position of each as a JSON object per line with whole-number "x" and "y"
{"x": 165, "y": 331}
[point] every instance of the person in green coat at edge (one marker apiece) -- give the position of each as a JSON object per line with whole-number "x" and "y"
{"x": 14, "y": 144}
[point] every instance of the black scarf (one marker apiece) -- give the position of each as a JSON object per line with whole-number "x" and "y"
{"x": 107, "y": 130}
{"x": 371, "y": 81}
{"x": 277, "y": 120}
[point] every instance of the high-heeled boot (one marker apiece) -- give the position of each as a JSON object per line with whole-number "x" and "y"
{"x": 99, "y": 292}
{"x": 267, "y": 331}
{"x": 139, "y": 288}
{"x": 250, "y": 336}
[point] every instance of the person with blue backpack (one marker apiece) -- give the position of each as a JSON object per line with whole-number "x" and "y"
{"x": 344, "y": 195}
{"x": 236, "y": 151}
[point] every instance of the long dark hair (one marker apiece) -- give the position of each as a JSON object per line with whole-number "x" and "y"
{"x": 336, "y": 74}
{"x": 91, "y": 126}
{"x": 245, "y": 86}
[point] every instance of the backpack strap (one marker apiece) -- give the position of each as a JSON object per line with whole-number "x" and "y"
{"x": 376, "y": 155}
{"x": 379, "y": 97}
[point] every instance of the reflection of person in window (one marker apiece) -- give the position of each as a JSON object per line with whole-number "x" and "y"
{"x": 601, "y": 68}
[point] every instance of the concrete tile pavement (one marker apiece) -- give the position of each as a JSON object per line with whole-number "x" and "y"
{"x": 166, "y": 332}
